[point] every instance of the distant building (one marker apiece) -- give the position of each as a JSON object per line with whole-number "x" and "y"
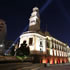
{"x": 46, "y": 48}
{"x": 3, "y": 31}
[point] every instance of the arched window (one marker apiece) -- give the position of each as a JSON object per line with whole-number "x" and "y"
{"x": 56, "y": 45}
{"x": 47, "y": 43}
{"x": 41, "y": 44}
{"x": 30, "y": 41}
{"x": 52, "y": 44}
{"x": 59, "y": 47}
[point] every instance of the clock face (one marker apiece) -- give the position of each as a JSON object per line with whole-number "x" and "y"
{"x": 33, "y": 20}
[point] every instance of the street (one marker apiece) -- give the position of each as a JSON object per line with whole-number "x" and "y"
{"x": 31, "y": 66}
{"x": 56, "y": 67}
{"x": 13, "y": 66}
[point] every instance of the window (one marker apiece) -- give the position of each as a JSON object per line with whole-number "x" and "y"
{"x": 52, "y": 45}
{"x": 41, "y": 45}
{"x": 48, "y": 45}
{"x": 56, "y": 45}
{"x": 30, "y": 41}
{"x": 61, "y": 48}
{"x": 41, "y": 49}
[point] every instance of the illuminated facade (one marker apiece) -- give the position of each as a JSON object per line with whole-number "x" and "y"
{"x": 57, "y": 51}
{"x": 42, "y": 44}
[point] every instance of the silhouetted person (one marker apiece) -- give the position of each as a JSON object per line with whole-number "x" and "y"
{"x": 23, "y": 50}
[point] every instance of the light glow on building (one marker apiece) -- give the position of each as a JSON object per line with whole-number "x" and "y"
{"x": 47, "y": 48}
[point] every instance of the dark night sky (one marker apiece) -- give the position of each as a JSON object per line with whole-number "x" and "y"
{"x": 16, "y": 13}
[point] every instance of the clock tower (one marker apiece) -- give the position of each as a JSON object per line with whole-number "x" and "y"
{"x": 34, "y": 21}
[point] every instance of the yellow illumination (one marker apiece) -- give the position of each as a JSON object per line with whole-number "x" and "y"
{"x": 44, "y": 60}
